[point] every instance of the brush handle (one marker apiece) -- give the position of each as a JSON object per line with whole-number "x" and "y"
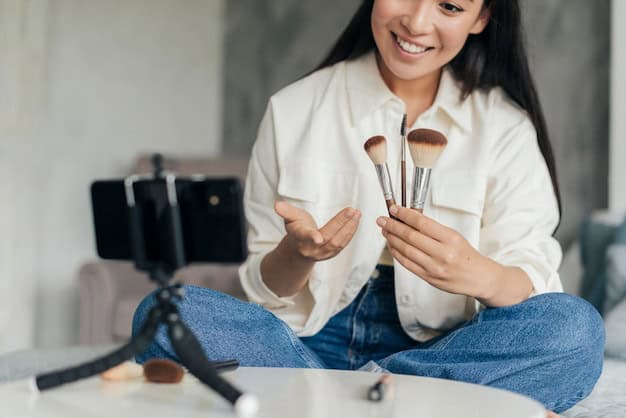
{"x": 403, "y": 180}
{"x": 421, "y": 182}
{"x": 390, "y": 203}
{"x": 385, "y": 180}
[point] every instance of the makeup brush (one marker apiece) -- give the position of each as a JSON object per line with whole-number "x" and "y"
{"x": 382, "y": 389}
{"x": 160, "y": 370}
{"x": 376, "y": 148}
{"x": 403, "y": 159}
{"x": 425, "y": 146}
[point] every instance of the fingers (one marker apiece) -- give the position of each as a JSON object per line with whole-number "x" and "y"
{"x": 290, "y": 213}
{"x": 421, "y": 223}
{"x": 325, "y": 242}
{"x": 409, "y": 265}
{"x": 344, "y": 235}
{"x": 420, "y": 271}
{"x": 412, "y": 253}
{"x": 410, "y": 235}
{"x": 338, "y": 221}
{"x": 304, "y": 233}
{"x": 308, "y": 235}
{"x": 343, "y": 227}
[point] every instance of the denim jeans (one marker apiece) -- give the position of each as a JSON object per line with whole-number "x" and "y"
{"x": 549, "y": 347}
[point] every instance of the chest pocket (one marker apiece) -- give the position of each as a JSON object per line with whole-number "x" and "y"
{"x": 459, "y": 192}
{"x": 458, "y": 199}
{"x": 319, "y": 190}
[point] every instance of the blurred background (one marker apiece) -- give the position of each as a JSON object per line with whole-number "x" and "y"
{"x": 88, "y": 86}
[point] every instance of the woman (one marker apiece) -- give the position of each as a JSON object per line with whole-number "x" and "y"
{"x": 467, "y": 291}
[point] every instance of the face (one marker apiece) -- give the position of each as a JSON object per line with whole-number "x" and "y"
{"x": 416, "y": 38}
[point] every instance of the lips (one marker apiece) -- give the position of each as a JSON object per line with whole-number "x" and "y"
{"x": 410, "y": 47}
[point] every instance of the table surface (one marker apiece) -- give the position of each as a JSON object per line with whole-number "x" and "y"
{"x": 305, "y": 393}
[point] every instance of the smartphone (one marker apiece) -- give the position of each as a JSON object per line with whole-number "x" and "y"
{"x": 211, "y": 218}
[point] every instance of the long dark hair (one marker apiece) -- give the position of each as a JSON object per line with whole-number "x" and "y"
{"x": 495, "y": 57}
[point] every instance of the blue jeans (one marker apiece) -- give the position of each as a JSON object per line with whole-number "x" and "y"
{"x": 549, "y": 347}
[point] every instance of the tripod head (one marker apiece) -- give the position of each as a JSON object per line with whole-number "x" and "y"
{"x": 166, "y": 214}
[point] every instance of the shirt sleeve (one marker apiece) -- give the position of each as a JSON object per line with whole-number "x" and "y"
{"x": 265, "y": 227}
{"x": 521, "y": 210}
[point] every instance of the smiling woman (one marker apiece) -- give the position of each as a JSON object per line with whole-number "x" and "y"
{"x": 472, "y": 292}
{"x": 416, "y": 39}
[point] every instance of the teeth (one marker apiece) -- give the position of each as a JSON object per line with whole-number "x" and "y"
{"x": 409, "y": 47}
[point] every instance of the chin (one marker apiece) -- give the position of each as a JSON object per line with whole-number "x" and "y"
{"x": 407, "y": 72}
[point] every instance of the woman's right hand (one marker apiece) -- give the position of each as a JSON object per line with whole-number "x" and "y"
{"x": 304, "y": 237}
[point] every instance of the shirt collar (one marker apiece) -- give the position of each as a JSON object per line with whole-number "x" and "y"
{"x": 367, "y": 92}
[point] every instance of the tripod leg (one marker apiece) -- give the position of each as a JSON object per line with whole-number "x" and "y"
{"x": 94, "y": 367}
{"x": 190, "y": 352}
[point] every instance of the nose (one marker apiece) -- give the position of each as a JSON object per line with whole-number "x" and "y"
{"x": 418, "y": 18}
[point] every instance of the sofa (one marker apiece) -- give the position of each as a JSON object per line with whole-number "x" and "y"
{"x": 110, "y": 291}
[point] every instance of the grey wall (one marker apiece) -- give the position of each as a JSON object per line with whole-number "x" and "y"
{"x": 269, "y": 44}
{"x": 569, "y": 49}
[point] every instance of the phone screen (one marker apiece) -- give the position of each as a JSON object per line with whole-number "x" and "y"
{"x": 211, "y": 214}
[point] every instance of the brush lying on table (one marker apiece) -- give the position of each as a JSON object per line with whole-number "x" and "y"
{"x": 156, "y": 370}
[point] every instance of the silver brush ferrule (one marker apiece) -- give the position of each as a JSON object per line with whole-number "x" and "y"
{"x": 421, "y": 182}
{"x": 385, "y": 180}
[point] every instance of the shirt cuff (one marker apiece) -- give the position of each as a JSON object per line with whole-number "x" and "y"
{"x": 541, "y": 284}
{"x": 255, "y": 288}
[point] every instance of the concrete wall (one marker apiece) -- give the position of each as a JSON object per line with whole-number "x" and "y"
{"x": 569, "y": 49}
{"x": 618, "y": 108}
{"x": 568, "y": 46}
{"x": 268, "y": 45}
{"x": 121, "y": 78}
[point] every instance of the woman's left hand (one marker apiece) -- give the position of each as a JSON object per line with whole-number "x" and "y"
{"x": 438, "y": 254}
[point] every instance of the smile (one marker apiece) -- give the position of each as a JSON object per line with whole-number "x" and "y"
{"x": 408, "y": 46}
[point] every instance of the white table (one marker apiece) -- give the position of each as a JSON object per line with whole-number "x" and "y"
{"x": 300, "y": 393}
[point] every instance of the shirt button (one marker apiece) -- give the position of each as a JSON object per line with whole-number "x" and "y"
{"x": 405, "y": 299}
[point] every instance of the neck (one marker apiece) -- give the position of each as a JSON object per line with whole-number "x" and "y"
{"x": 418, "y": 94}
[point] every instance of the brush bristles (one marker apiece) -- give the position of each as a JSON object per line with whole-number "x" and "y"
{"x": 425, "y": 146}
{"x": 376, "y": 148}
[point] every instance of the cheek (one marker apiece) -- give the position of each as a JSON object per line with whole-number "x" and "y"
{"x": 383, "y": 13}
{"x": 452, "y": 37}
{"x": 384, "y": 9}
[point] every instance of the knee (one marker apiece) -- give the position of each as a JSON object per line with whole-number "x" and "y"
{"x": 574, "y": 328}
{"x": 569, "y": 332}
{"x": 193, "y": 297}
{"x": 141, "y": 313}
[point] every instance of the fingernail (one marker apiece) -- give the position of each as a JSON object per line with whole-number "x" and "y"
{"x": 350, "y": 213}
{"x": 381, "y": 221}
{"x": 393, "y": 210}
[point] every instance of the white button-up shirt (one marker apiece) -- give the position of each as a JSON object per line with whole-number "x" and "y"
{"x": 491, "y": 184}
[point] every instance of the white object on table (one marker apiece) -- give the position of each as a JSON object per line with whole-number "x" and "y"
{"x": 301, "y": 393}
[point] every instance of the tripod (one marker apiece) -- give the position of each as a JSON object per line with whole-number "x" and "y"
{"x": 184, "y": 342}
